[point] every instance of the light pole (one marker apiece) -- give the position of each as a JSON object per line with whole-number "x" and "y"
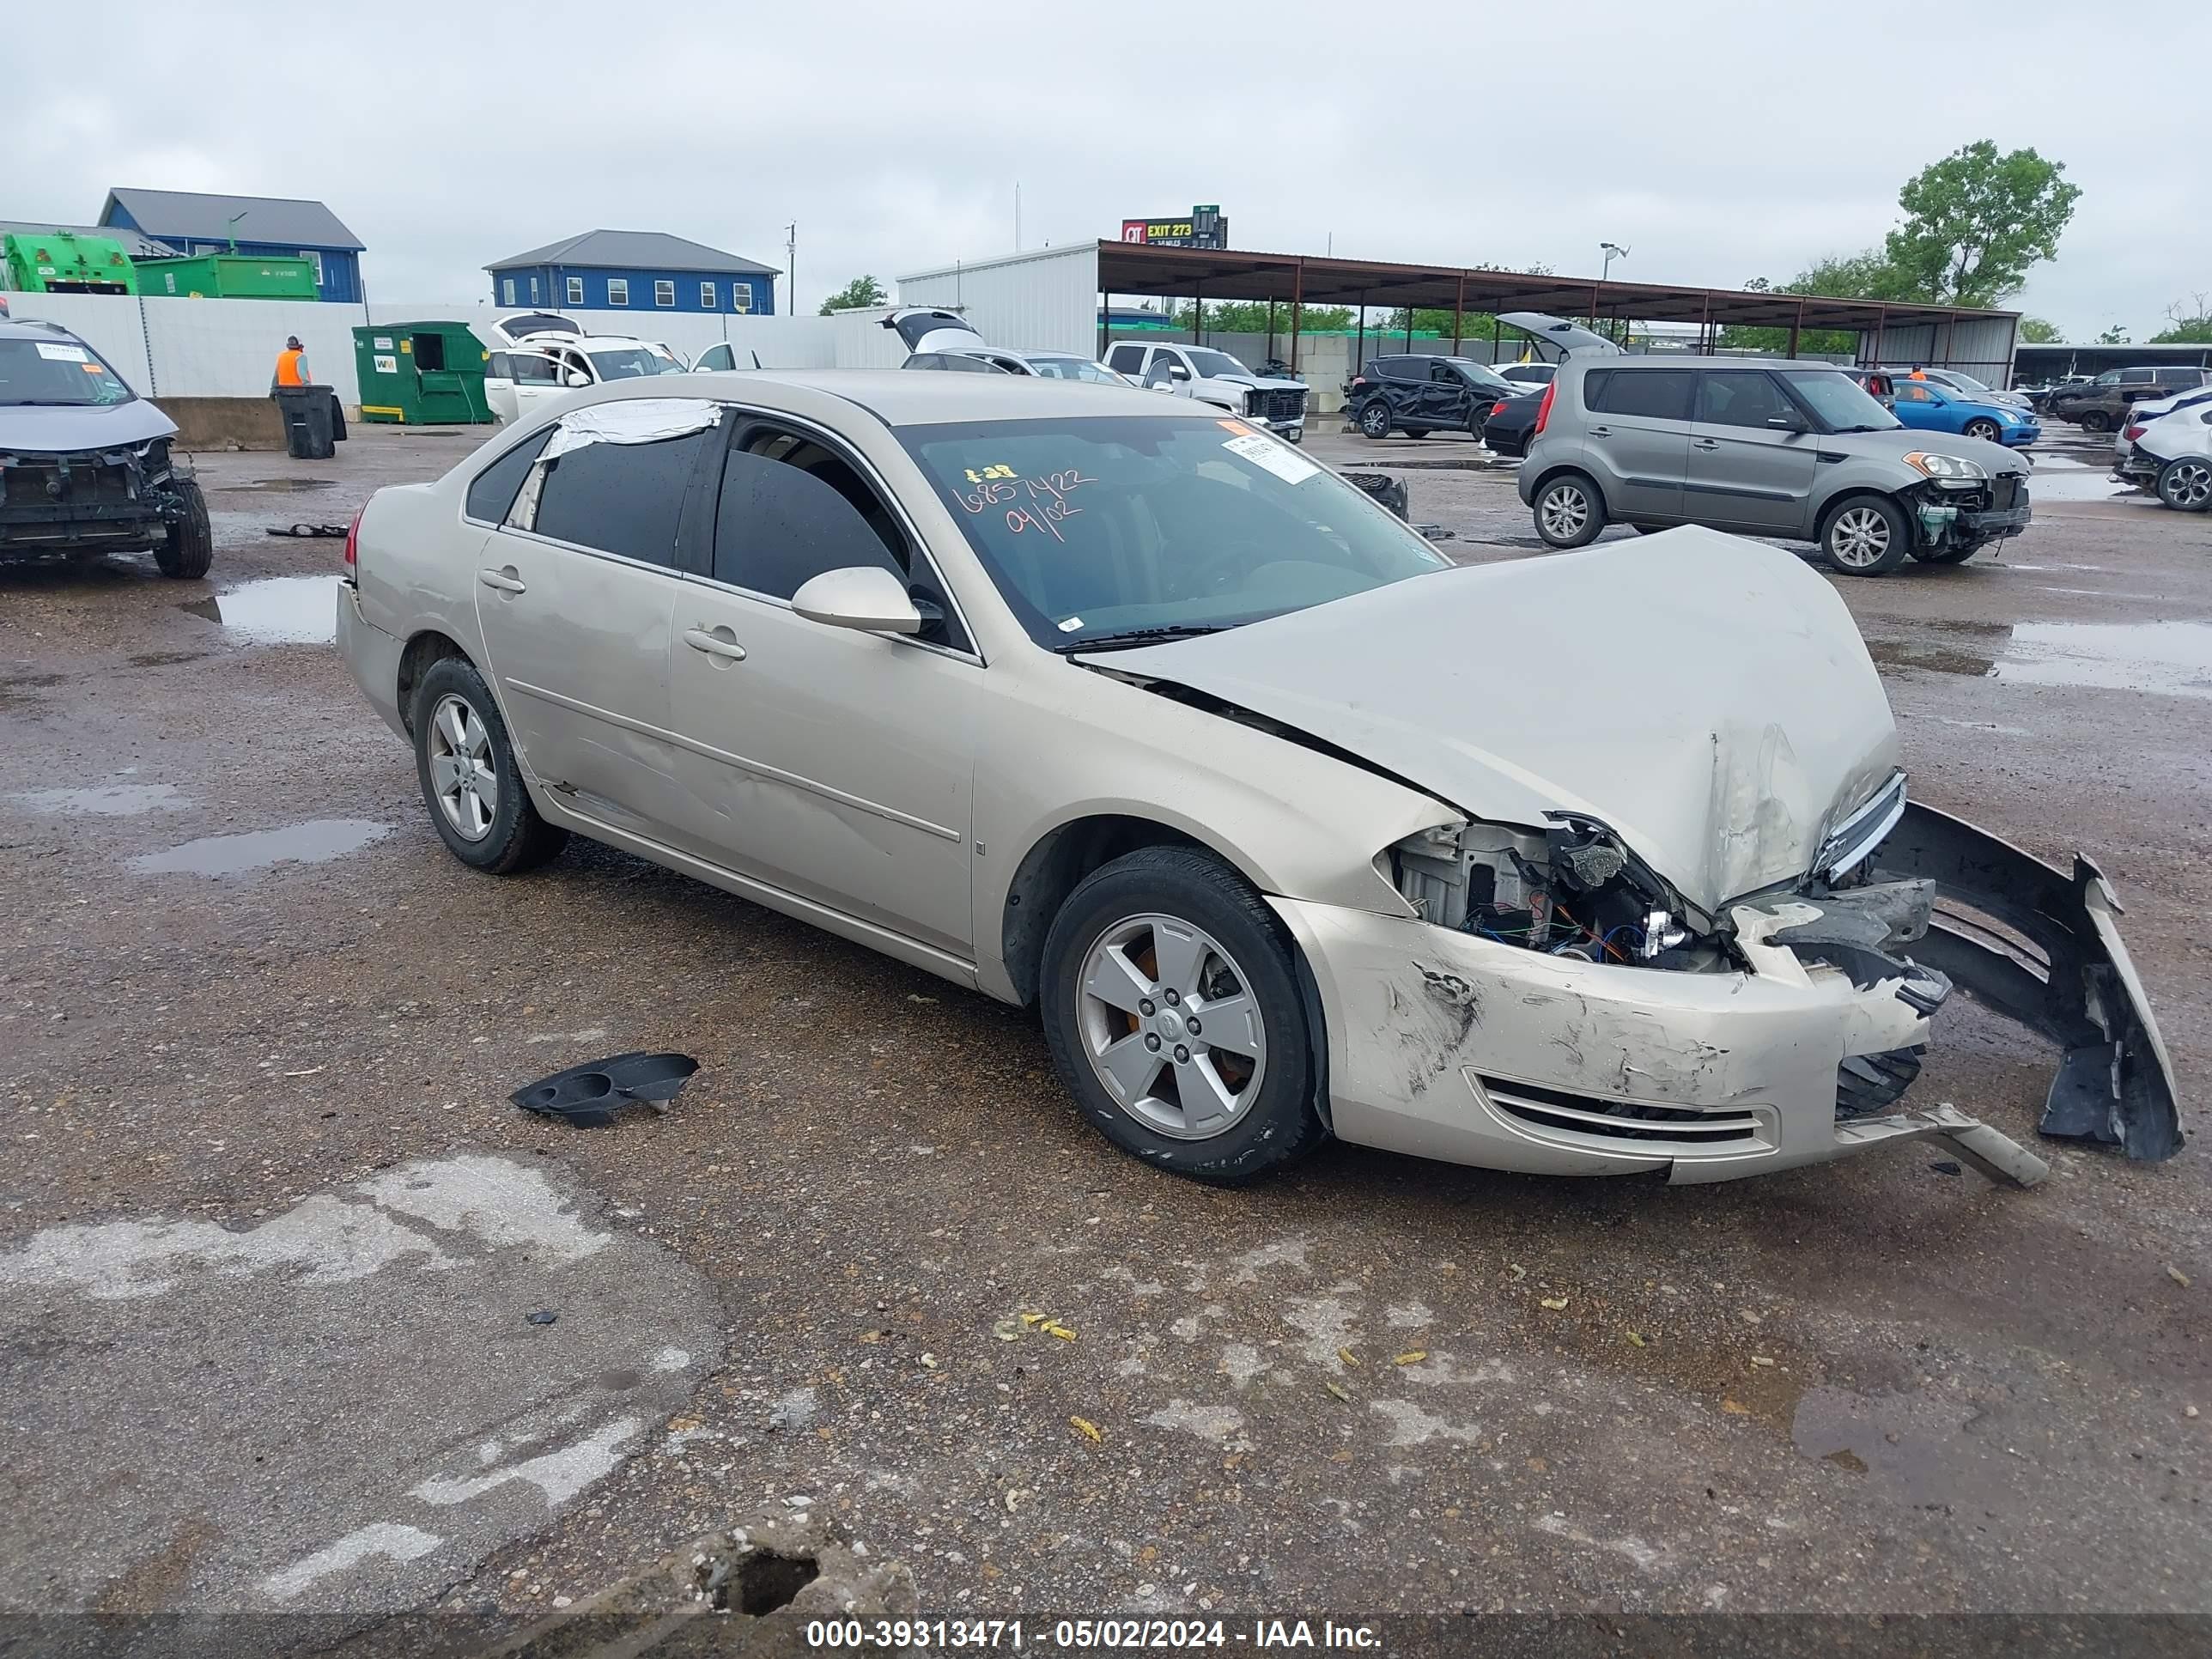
{"x": 1612, "y": 251}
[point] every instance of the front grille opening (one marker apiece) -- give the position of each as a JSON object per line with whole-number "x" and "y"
{"x": 1617, "y": 1119}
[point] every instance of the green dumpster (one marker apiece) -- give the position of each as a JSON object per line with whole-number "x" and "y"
{"x": 229, "y": 277}
{"x": 422, "y": 375}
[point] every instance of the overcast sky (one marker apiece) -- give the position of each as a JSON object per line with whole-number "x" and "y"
{"x": 1718, "y": 141}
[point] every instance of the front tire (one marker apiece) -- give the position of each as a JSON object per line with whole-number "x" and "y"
{"x": 188, "y": 549}
{"x": 465, "y": 762}
{"x": 1171, "y": 1005}
{"x": 1570, "y": 511}
{"x": 1987, "y": 431}
{"x": 1374, "y": 419}
{"x": 1867, "y": 536}
{"x": 2185, "y": 484}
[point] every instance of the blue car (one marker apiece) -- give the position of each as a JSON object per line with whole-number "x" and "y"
{"x": 1933, "y": 408}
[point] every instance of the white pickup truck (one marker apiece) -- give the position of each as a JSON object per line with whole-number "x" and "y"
{"x": 1215, "y": 377}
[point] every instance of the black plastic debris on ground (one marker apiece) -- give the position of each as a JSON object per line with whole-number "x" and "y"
{"x": 542, "y": 1316}
{"x": 309, "y": 531}
{"x": 589, "y": 1095}
{"x": 1390, "y": 491}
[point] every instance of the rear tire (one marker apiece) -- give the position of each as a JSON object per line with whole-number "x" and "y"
{"x": 463, "y": 754}
{"x": 188, "y": 549}
{"x": 1172, "y": 921}
{"x": 1570, "y": 511}
{"x": 1866, "y": 535}
{"x": 2095, "y": 420}
{"x": 1374, "y": 419}
{"x": 2185, "y": 484}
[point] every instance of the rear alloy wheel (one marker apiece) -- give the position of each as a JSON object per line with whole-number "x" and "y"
{"x": 1986, "y": 430}
{"x": 2185, "y": 484}
{"x": 1867, "y": 536}
{"x": 2095, "y": 420}
{"x": 1171, "y": 1004}
{"x": 1569, "y": 512}
{"x": 1375, "y": 418}
{"x": 466, "y": 763}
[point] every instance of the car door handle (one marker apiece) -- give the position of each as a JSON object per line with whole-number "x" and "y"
{"x": 714, "y": 643}
{"x": 1707, "y": 443}
{"x": 1600, "y": 431}
{"x": 505, "y": 581}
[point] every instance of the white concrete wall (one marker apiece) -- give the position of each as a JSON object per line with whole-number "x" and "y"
{"x": 1045, "y": 300}
{"x": 184, "y": 348}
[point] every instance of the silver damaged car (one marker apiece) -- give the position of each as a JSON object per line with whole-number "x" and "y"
{"x": 1128, "y": 712}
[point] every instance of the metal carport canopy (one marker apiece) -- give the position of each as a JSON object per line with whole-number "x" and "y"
{"x": 1127, "y": 268}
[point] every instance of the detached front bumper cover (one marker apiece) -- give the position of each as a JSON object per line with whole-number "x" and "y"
{"x": 2074, "y": 983}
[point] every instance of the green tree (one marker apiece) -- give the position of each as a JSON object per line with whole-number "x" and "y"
{"x": 2038, "y": 331}
{"x": 1864, "y": 275}
{"x": 2116, "y": 335}
{"x": 1250, "y": 317}
{"x": 2189, "y": 322}
{"x": 861, "y": 291}
{"x": 1977, "y": 222}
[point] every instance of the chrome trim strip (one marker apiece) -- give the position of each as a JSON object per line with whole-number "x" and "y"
{"x": 1864, "y": 831}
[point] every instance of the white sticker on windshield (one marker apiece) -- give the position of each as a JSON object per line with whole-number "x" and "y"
{"x": 1267, "y": 454}
{"x": 1070, "y": 624}
{"x": 61, "y": 353}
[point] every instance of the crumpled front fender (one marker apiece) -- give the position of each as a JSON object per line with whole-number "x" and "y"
{"x": 2075, "y": 983}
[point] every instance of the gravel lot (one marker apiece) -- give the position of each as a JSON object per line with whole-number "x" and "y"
{"x": 270, "y": 1232}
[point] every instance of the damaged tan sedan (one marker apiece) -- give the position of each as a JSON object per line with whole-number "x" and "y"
{"x": 1598, "y": 864}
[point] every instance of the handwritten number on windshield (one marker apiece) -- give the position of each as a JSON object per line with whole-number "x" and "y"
{"x": 1040, "y": 502}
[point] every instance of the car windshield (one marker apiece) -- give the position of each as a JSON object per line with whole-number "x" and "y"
{"x": 1482, "y": 374}
{"x": 1840, "y": 400}
{"x": 629, "y": 362}
{"x": 1150, "y": 526}
{"x": 1210, "y": 364}
{"x": 1076, "y": 368}
{"x": 56, "y": 373}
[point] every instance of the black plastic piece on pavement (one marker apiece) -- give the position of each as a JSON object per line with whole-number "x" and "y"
{"x": 589, "y": 1095}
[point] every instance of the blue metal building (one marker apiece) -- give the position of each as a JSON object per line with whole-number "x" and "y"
{"x": 633, "y": 270}
{"x": 264, "y": 226}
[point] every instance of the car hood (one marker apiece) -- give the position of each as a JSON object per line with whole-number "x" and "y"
{"x": 44, "y": 430}
{"x": 1265, "y": 382}
{"x": 1707, "y": 697}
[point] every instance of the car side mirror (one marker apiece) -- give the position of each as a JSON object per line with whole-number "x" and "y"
{"x": 865, "y": 597}
{"x": 1177, "y": 373}
{"x": 1786, "y": 422}
{"x": 576, "y": 377}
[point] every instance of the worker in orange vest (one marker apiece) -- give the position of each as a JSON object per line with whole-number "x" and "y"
{"x": 291, "y": 366}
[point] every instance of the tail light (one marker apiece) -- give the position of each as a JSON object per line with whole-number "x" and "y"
{"x": 352, "y": 570}
{"x": 1497, "y": 408}
{"x": 1544, "y": 409}
{"x": 2132, "y": 434}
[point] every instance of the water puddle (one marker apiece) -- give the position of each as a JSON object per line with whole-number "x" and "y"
{"x": 1909, "y": 1445}
{"x": 2173, "y": 659}
{"x": 276, "y": 610}
{"x": 2087, "y": 485}
{"x": 2167, "y": 659}
{"x": 286, "y": 484}
{"x": 313, "y": 843}
{"x": 113, "y": 800}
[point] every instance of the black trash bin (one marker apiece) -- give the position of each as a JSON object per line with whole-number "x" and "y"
{"x": 311, "y": 420}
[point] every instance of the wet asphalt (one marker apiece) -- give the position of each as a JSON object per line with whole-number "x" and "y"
{"x": 241, "y": 985}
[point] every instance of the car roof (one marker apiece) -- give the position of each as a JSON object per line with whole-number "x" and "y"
{"x": 30, "y": 328}
{"x": 898, "y": 397}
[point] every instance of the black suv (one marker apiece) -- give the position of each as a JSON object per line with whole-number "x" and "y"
{"x": 85, "y": 466}
{"x": 2100, "y": 405}
{"x": 1418, "y": 395}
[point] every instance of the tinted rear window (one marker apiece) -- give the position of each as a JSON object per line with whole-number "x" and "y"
{"x": 621, "y": 498}
{"x": 1658, "y": 394}
{"x": 492, "y": 491}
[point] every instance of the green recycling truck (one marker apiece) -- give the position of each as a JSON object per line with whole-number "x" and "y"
{"x": 422, "y": 375}
{"x": 65, "y": 262}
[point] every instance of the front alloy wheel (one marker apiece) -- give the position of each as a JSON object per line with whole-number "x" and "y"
{"x": 1987, "y": 431}
{"x": 1170, "y": 1028}
{"x": 1867, "y": 537}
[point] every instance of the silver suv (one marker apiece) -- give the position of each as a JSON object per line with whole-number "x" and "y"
{"x": 1764, "y": 447}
